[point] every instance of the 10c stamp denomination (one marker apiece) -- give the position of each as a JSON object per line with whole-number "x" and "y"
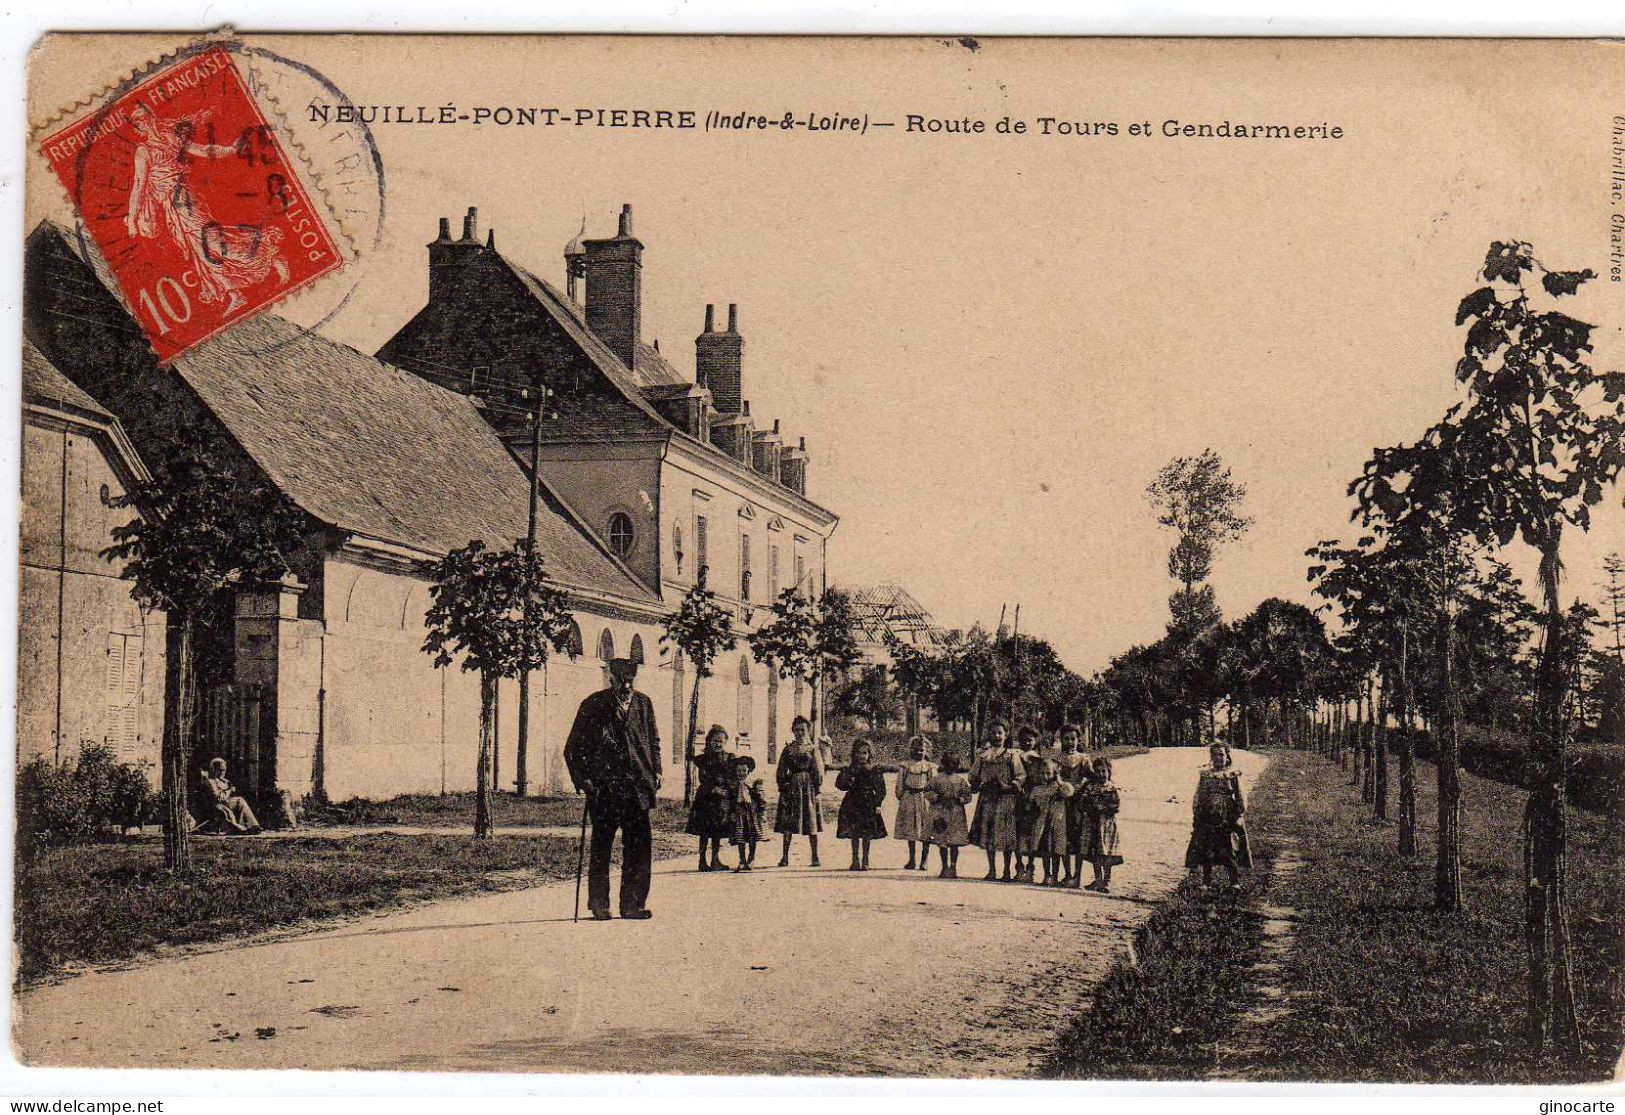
{"x": 188, "y": 193}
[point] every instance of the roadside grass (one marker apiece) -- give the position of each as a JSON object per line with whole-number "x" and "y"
{"x": 1380, "y": 987}
{"x": 100, "y": 903}
{"x": 1157, "y": 1015}
{"x": 438, "y": 810}
{"x": 1389, "y": 989}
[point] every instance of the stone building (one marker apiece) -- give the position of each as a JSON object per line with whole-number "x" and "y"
{"x": 671, "y": 471}
{"x": 90, "y": 662}
{"x": 320, "y": 684}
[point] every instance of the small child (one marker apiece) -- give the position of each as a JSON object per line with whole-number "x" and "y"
{"x": 1103, "y": 846}
{"x": 758, "y": 798}
{"x": 744, "y": 818}
{"x": 948, "y": 792}
{"x": 1046, "y": 827}
{"x": 912, "y": 823}
{"x": 859, "y": 819}
{"x": 1026, "y": 811}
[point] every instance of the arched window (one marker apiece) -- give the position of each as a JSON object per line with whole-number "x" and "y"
{"x": 746, "y": 707}
{"x": 606, "y": 645}
{"x": 576, "y": 646}
{"x": 621, "y": 536}
{"x": 636, "y": 653}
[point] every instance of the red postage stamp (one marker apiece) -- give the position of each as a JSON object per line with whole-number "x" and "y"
{"x": 191, "y": 198}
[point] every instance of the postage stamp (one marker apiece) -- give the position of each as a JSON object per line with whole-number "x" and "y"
{"x": 189, "y": 194}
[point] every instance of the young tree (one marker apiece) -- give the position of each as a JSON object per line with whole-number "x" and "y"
{"x": 807, "y": 640}
{"x": 1537, "y": 440}
{"x": 1613, "y": 604}
{"x": 700, "y": 630}
{"x": 1198, "y": 498}
{"x": 498, "y": 611}
{"x": 869, "y": 695}
{"x": 204, "y": 529}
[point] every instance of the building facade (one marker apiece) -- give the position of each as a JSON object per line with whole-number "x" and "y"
{"x": 322, "y": 686}
{"x": 90, "y": 661}
{"x": 670, "y": 470}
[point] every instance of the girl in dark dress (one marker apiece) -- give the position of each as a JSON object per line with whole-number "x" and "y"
{"x": 1104, "y": 802}
{"x": 859, "y": 819}
{"x": 1216, "y": 818}
{"x": 708, "y": 816}
{"x": 800, "y": 778}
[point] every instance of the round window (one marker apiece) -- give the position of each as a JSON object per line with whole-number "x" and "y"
{"x": 620, "y": 534}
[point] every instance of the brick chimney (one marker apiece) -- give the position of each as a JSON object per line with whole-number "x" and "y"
{"x": 448, "y": 258}
{"x": 766, "y": 448}
{"x": 614, "y": 272}
{"x": 793, "y": 468}
{"x": 718, "y": 359}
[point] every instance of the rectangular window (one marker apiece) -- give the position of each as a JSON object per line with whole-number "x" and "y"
{"x": 744, "y": 568}
{"x": 801, "y": 576}
{"x": 772, "y": 573}
{"x": 701, "y": 551}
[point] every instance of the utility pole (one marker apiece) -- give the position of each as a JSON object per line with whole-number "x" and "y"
{"x": 523, "y": 742}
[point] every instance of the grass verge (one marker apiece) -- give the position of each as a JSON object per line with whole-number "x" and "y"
{"x": 1389, "y": 989}
{"x": 1380, "y": 986}
{"x": 99, "y": 903}
{"x": 1158, "y": 1015}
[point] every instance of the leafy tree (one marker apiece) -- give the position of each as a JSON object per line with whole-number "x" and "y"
{"x": 205, "y": 528}
{"x": 869, "y": 695}
{"x": 808, "y": 640}
{"x": 497, "y": 610}
{"x": 700, "y": 630}
{"x": 1198, "y": 498}
{"x": 1539, "y": 437}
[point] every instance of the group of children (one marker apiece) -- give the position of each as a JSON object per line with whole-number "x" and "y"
{"x": 1056, "y": 807}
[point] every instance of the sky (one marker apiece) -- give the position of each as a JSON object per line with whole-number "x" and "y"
{"x": 992, "y": 342}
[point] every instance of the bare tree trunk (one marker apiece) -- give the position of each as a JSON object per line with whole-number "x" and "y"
{"x": 1407, "y": 750}
{"x": 180, "y": 722}
{"x": 1552, "y": 1021}
{"x": 1379, "y": 754}
{"x": 693, "y": 729}
{"x": 1447, "y": 756}
{"x": 1358, "y": 743}
{"x": 482, "y": 765}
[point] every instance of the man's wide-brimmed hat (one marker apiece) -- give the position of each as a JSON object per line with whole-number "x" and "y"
{"x": 744, "y": 761}
{"x": 623, "y": 667}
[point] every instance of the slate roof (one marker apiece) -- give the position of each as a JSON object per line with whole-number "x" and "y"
{"x": 371, "y": 449}
{"x": 42, "y": 383}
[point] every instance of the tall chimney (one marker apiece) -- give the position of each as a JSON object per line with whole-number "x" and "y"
{"x": 471, "y": 221}
{"x": 718, "y": 360}
{"x": 449, "y": 258}
{"x": 614, "y": 271}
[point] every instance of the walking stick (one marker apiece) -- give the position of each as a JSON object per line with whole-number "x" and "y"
{"x": 581, "y": 855}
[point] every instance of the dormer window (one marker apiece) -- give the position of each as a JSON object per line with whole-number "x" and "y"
{"x": 621, "y": 535}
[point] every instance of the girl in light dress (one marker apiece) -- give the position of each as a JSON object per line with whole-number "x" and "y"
{"x": 913, "y": 820}
{"x": 1045, "y": 796}
{"x": 800, "y": 778}
{"x": 948, "y": 792}
{"x": 1104, "y": 800}
{"x": 996, "y": 777}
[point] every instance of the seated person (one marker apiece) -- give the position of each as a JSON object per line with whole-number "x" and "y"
{"x": 228, "y": 807}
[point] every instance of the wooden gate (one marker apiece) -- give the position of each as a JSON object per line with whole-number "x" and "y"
{"x": 233, "y": 724}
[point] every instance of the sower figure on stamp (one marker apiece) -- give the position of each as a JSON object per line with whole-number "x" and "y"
{"x": 613, "y": 755}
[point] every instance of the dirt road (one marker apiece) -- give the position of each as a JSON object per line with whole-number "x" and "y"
{"x": 782, "y": 971}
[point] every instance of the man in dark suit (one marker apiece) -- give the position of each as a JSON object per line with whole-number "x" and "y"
{"x": 613, "y": 755}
